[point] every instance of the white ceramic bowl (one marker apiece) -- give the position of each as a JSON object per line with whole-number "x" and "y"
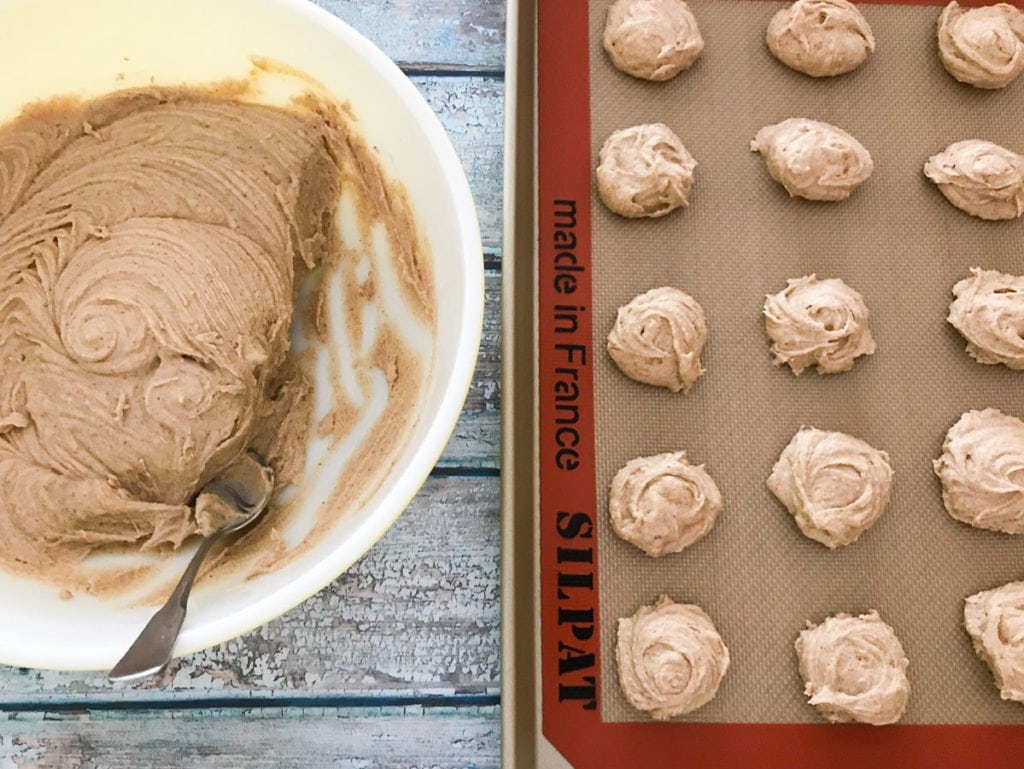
{"x": 56, "y": 47}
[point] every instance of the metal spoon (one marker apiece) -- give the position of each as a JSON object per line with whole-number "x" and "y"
{"x": 246, "y": 485}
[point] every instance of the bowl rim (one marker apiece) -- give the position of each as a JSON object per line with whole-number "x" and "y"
{"x": 442, "y": 422}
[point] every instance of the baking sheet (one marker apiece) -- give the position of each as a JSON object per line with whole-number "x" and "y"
{"x": 564, "y": 586}
{"x": 899, "y": 243}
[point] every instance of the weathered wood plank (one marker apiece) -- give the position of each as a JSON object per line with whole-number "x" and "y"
{"x": 476, "y": 441}
{"x": 444, "y": 34}
{"x": 418, "y": 614}
{"x": 253, "y": 739}
{"x": 472, "y": 111}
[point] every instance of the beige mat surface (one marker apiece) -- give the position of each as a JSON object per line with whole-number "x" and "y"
{"x": 902, "y": 246}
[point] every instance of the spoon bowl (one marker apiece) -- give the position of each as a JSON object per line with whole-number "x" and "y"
{"x": 246, "y": 486}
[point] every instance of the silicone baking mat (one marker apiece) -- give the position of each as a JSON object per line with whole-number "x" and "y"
{"x": 899, "y": 243}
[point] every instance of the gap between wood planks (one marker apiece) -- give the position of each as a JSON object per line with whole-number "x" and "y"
{"x": 427, "y": 69}
{"x": 442, "y": 471}
{"x": 336, "y": 702}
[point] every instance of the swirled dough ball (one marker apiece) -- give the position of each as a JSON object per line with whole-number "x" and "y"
{"x": 994, "y": 619}
{"x": 981, "y": 178}
{"x": 671, "y": 658}
{"x": 982, "y": 471}
{"x": 854, "y": 669}
{"x": 644, "y": 171}
{"x": 834, "y": 485}
{"x": 658, "y": 338}
{"x": 820, "y": 38}
{"x": 652, "y": 39}
{"x": 821, "y": 323}
{"x": 663, "y": 504}
{"x": 813, "y": 160}
{"x": 989, "y": 311}
{"x": 982, "y": 46}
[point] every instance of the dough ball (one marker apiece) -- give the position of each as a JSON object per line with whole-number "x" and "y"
{"x": 821, "y": 38}
{"x": 989, "y": 311}
{"x": 835, "y": 486}
{"x": 982, "y": 471}
{"x": 994, "y": 619}
{"x": 982, "y": 46}
{"x": 652, "y": 39}
{"x": 658, "y": 338}
{"x": 813, "y": 160}
{"x": 644, "y": 171}
{"x": 854, "y": 669}
{"x": 671, "y": 658}
{"x": 821, "y": 323}
{"x": 981, "y": 178}
{"x": 663, "y": 504}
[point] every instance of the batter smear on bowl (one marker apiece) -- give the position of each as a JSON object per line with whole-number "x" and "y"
{"x": 151, "y": 244}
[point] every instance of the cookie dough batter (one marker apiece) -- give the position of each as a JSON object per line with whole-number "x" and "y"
{"x": 989, "y": 311}
{"x": 813, "y": 160}
{"x": 982, "y": 46}
{"x": 663, "y": 504}
{"x": 658, "y": 338}
{"x": 652, "y": 39}
{"x": 980, "y": 178}
{"x": 150, "y": 244}
{"x": 671, "y": 658}
{"x": 645, "y": 171}
{"x": 821, "y": 38}
{"x": 982, "y": 471}
{"x": 821, "y": 323}
{"x": 994, "y": 619}
{"x": 834, "y": 485}
{"x": 854, "y": 669}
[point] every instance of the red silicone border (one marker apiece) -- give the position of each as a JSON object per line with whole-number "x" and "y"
{"x": 573, "y": 728}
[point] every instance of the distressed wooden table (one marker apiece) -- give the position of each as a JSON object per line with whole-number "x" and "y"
{"x": 396, "y": 663}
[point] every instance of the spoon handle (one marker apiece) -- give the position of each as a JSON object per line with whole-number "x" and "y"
{"x": 153, "y": 648}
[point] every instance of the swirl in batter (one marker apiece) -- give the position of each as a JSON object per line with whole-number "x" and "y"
{"x": 150, "y": 246}
{"x": 854, "y": 669}
{"x": 644, "y": 171}
{"x": 652, "y": 39}
{"x": 834, "y": 485}
{"x": 980, "y": 178}
{"x": 982, "y": 46}
{"x": 671, "y": 658}
{"x": 989, "y": 312}
{"x": 982, "y": 471}
{"x": 663, "y": 504}
{"x": 821, "y": 38}
{"x": 994, "y": 620}
{"x": 822, "y": 323}
{"x": 812, "y": 159}
{"x": 658, "y": 339}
